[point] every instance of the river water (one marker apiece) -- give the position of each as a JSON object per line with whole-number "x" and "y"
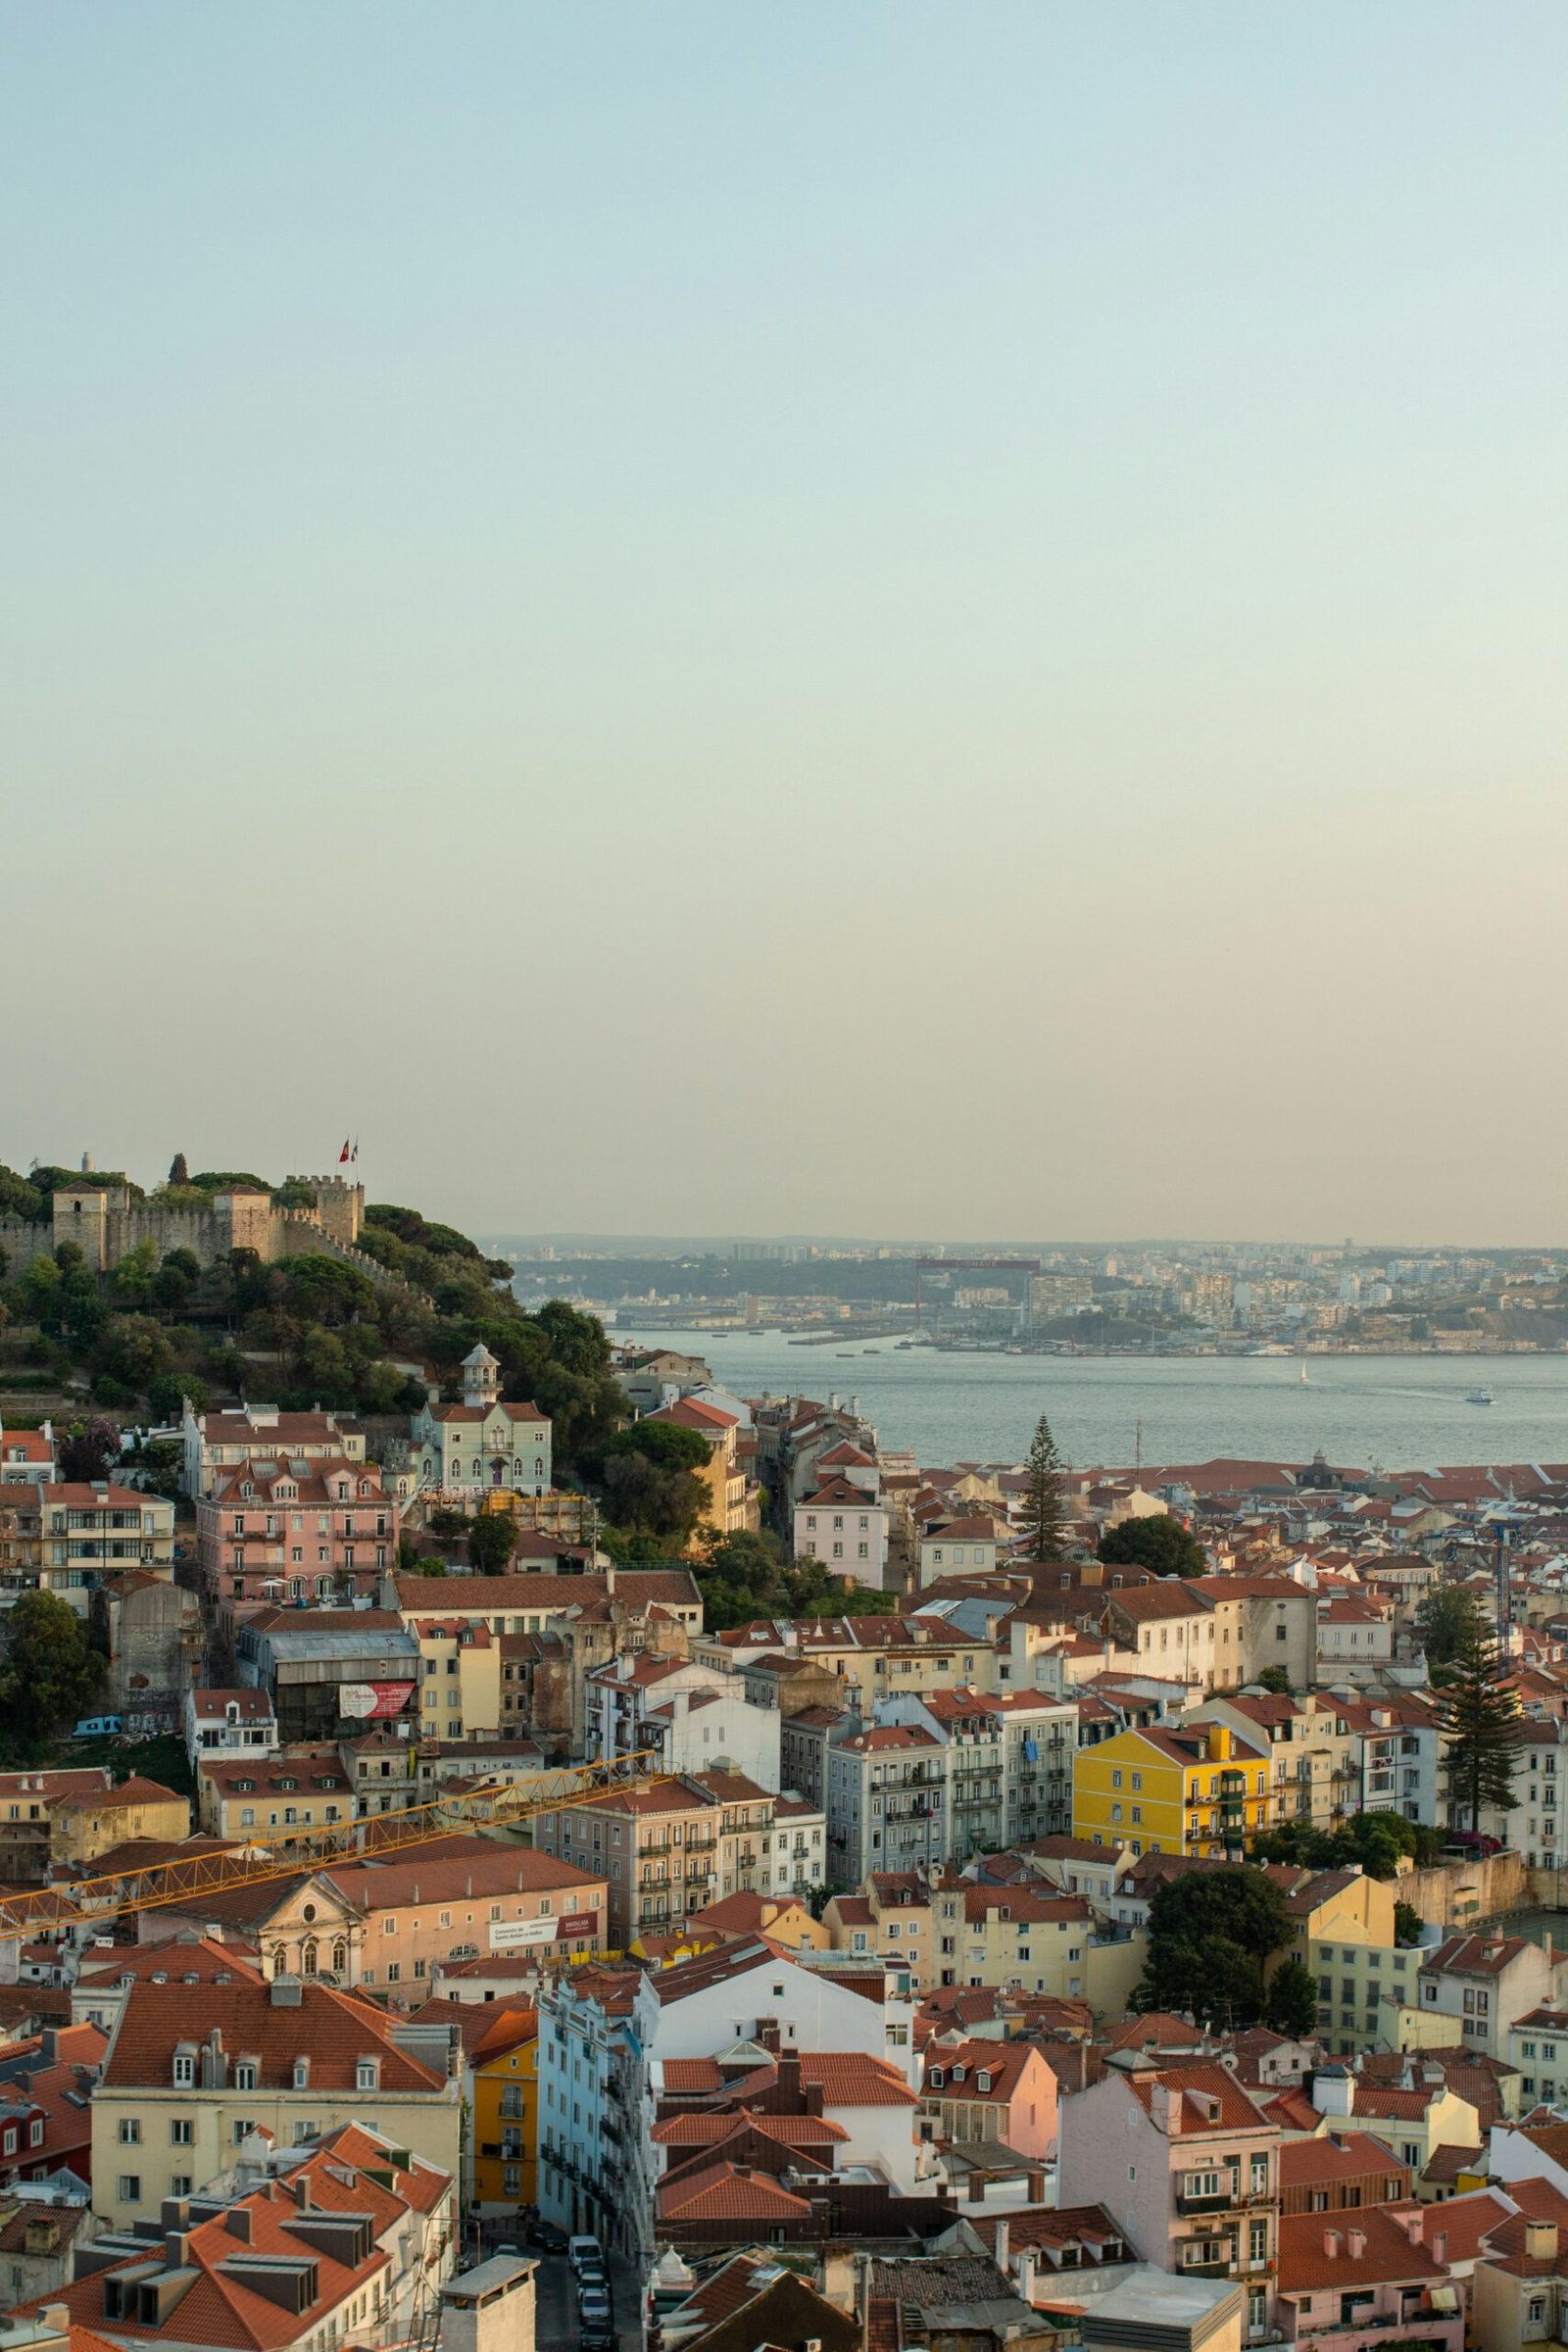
{"x": 1366, "y": 1412}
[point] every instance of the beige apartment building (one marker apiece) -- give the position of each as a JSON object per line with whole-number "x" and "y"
{"x": 460, "y": 1671}
{"x": 193, "y": 2070}
{"x": 667, "y": 1851}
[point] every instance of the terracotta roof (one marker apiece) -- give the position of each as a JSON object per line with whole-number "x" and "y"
{"x": 1305, "y": 2162}
{"x": 729, "y": 2192}
{"x": 850, "y": 2078}
{"x": 1366, "y": 2247}
{"x": 331, "y": 2029}
{"x": 1200, "y": 2085}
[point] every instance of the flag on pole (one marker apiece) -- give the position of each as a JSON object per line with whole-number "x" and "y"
{"x": 355, "y": 1152}
{"x": 343, "y": 1155}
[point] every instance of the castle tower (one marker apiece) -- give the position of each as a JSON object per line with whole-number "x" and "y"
{"x": 481, "y": 1377}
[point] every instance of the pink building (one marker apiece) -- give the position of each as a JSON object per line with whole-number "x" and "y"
{"x": 992, "y": 2090}
{"x": 1346, "y": 2280}
{"x": 276, "y": 1529}
{"x": 1187, "y": 2165}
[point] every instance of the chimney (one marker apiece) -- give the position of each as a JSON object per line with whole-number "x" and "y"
{"x": 1540, "y": 2241}
{"x": 1000, "y": 2256}
{"x": 1412, "y": 2224}
{"x": 237, "y": 2222}
{"x": 1355, "y": 2244}
{"x": 1036, "y": 2188}
{"x": 1439, "y": 2245}
{"x": 1331, "y": 2242}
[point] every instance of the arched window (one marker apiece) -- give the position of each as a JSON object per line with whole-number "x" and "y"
{"x": 307, "y": 1957}
{"x": 340, "y": 1959}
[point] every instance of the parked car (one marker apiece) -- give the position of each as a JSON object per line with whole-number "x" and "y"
{"x": 585, "y": 2249}
{"x": 593, "y": 2306}
{"x": 597, "y": 2335}
{"x": 549, "y": 2236}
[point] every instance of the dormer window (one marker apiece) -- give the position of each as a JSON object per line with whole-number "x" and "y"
{"x": 959, "y": 2073}
{"x": 982, "y": 2081}
{"x": 302, "y": 2074}
{"x": 184, "y": 2069}
{"x": 244, "y": 2074}
{"x": 936, "y": 2077}
{"x": 367, "y": 2075}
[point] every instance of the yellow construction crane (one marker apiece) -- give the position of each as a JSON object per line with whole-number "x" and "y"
{"x": 292, "y": 1853}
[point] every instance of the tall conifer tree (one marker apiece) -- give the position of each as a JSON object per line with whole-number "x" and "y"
{"x": 1045, "y": 1506}
{"x": 1478, "y": 1718}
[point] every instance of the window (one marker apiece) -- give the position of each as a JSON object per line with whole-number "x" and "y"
{"x": 130, "y": 2189}
{"x": 130, "y": 2132}
{"x": 181, "y": 2132}
{"x": 184, "y": 2069}
{"x": 245, "y": 2074}
{"x": 367, "y": 2075}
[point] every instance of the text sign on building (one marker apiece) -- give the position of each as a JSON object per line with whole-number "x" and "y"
{"x": 361, "y": 1701}
{"x": 508, "y": 1934}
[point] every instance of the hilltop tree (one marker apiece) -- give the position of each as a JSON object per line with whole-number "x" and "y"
{"x": 179, "y": 1169}
{"x": 1159, "y": 1543}
{"x": 1045, "y": 1504}
{"x": 1478, "y": 1719}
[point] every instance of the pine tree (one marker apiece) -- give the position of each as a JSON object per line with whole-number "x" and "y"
{"x": 1478, "y": 1717}
{"x": 179, "y": 1169}
{"x": 1045, "y": 1508}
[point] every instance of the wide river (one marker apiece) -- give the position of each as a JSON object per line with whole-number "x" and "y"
{"x": 1365, "y": 1411}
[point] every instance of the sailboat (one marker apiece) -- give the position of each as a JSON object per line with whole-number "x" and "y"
{"x": 1306, "y": 1383}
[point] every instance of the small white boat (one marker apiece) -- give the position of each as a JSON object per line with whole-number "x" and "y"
{"x": 1306, "y": 1383}
{"x": 1478, "y": 1396}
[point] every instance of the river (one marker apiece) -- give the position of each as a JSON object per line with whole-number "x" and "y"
{"x": 1364, "y": 1411}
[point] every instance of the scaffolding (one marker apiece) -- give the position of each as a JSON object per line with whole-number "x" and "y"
{"x": 294, "y": 1853}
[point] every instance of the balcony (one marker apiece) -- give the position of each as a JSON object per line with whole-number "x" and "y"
{"x": 1220, "y": 2202}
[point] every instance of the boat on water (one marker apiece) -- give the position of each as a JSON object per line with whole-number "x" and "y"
{"x": 1478, "y": 1396}
{"x": 1306, "y": 1383}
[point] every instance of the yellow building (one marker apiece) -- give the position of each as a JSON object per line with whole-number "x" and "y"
{"x": 460, "y": 1677}
{"x": 83, "y": 1825}
{"x": 1200, "y": 1789}
{"x": 504, "y": 2094}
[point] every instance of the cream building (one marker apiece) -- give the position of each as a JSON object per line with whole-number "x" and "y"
{"x": 193, "y": 2070}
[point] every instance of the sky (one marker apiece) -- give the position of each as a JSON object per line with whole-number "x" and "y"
{"x": 884, "y": 619}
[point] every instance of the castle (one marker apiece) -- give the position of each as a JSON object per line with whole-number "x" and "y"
{"x": 107, "y": 1224}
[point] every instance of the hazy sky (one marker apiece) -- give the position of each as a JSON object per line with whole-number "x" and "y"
{"x": 835, "y": 617}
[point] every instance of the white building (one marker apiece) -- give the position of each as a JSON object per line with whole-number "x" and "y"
{"x": 812, "y": 2000}
{"x": 483, "y": 1442}
{"x": 696, "y": 1717}
{"x": 596, "y": 2113}
{"x": 963, "y": 1547}
{"x": 847, "y": 1529}
{"x": 230, "y": 1722}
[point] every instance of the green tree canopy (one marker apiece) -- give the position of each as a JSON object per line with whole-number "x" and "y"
{"x": 742, "y": 1576}
{"x": 492, "y": 1538}
{"x": 1160, "y": 1545}
{"x": 1210, "y": 1936}
{"x": 1290, "y": 2005}
{"x": 48, "y": 1674}
{"x": 1446, "y": 1616}
{"x": 1044, "y": 1505}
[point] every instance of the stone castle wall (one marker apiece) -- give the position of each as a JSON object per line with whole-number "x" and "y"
{"x": 107, "y": 1226}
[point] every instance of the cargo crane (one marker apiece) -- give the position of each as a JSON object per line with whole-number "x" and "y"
{"x": 293, "y": 1853}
